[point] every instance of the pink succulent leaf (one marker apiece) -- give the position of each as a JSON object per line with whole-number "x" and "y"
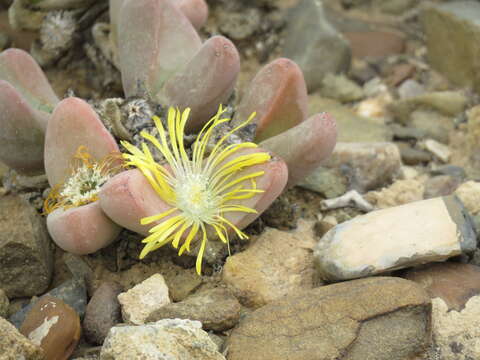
{"x": 195, "y": 10}
{"x": 73, "y": 124}
{"x": 22, "y": 132}
{"x": 21, "y": 71}
{"x": 206, "y": 82}
{"x": 82, "y": 230}
{"x": 305, "y": 146}
{"x": 279, "y": 96}
{"x": 128, "y": 197}
{"x": 155, "y": 40}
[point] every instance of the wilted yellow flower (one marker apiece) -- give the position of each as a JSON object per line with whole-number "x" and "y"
{"x": 201, "y": 188}
{"x": 86, "y": 178}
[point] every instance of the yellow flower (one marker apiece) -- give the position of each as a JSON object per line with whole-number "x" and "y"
{"x": 86, "y": 178}
{"x": 201, "y": 188}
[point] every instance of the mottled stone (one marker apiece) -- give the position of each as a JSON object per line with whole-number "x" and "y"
{"x": 26, "y": 258}
{"x": 453, "y": 28}
{"x": 454, "y": 283}
{"x": 72, "y": 292}
{"x": 141, "y": 300}
{"x": 399, "y": 193}
{"x": 341, "y": 88}
{"x": 165, "y": 339}
{"x": 469, "y": 193}
{"x": 217, "y": 309}
{"x": 15, "y": 346}
{"x": 360, "y": 166}
{"x": 456, "y": 333}
{"x": 441, "y": 185}
{"x": 377, "y": 318}
{"x": 395, "y": 238}
{"x": 4, "y": 303}
{"x": 103, "y": 312}
{"x": 276, "y": 264}
{"x": 54, "y": 326}
{"x": 309, "y": 36}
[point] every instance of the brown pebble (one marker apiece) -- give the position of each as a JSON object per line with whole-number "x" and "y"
{"x": 375, "y": 43}
{"x": 54, "y": 326}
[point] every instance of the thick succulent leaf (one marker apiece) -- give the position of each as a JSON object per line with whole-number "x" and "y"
{"x": 82, "y": 230}
{"x": 22, "y": 132}
{"x": 278, "y": 95}
{"x": 20, "y": 70}
{"x": 206, "y": 82}
{"x": 73, "y": 124}
{"x": 305, "y": 146}
{"x": 128, "y": 197}
{"x": 154, "y": 41}
{"x": 195, "y": 10}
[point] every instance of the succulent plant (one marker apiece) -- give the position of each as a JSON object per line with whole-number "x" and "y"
{"x": 192, "y": 166}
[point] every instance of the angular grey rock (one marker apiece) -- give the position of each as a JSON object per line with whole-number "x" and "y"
{"x": 356, "y": 166}
{"x": 453, "y": 28}
{"x": 103, "y": 312}
{"x": 394, "y": 238}
{"x": 163, "y": 340}
{"x": 314, "y": 44}
{"x": 217, "y": 309}
{"x": 378, "y": 318}
{"x": 26, "y": 252}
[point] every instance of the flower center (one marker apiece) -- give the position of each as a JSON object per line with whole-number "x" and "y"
{"x": 84, "y": 185}
{"x": 195, "y": 198}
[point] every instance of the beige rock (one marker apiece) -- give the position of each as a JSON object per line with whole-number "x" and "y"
{"x": 165, "y": 339}
{"x": 399, "y": 193}
{"x": 456, "y": 333}
{"x": 395, "y": 238}
{"x": 141, "y": 300}
{"x": 277, "y": 264}
{"x": 54, "y": 326}
{"x": 376, "y": 319}
{"x": 4, "y": 303}
{"x": 217, "y": 309}
{"x": 438, "y": 149}
{"x": 469, "y": 193}
{"x": 15, "y": 346}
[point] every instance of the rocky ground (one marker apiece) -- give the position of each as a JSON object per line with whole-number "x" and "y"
{"x": 322, "y": 277}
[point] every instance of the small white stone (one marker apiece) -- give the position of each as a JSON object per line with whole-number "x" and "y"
{"x": 469, "y": 193}
{"x": 438, "y": 149}
{"x": 144, "y": 298}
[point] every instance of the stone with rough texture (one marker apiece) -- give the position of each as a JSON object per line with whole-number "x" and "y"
{"x": 341, "y": 88}
{"x": 54, "y": 326}
{"x": 454, "y": 283}
{"x": 456, "y": 333}
{"x": 141, "y": 300}
{"x": 395, "y": 238}
{"x": 103, "y": 312}
{"x": 276, "y": 264}
{"x": 26, "y": 258}
{"x": 314, "y": 44}
{"x": 15, "y": 346}
{"x": 376, "y": 319}
{"x": 399, "y": 193}
{"x": 453, "y": 28}
{"x": 217, "y": 309}
{"x": 4, "y": 303}
{"x": 164, "y": 340}
{"x": 360, "y": 166}
{"x": 469, "y": 193}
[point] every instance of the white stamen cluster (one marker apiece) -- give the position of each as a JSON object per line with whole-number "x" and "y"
{"x": 84, "y": 184}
